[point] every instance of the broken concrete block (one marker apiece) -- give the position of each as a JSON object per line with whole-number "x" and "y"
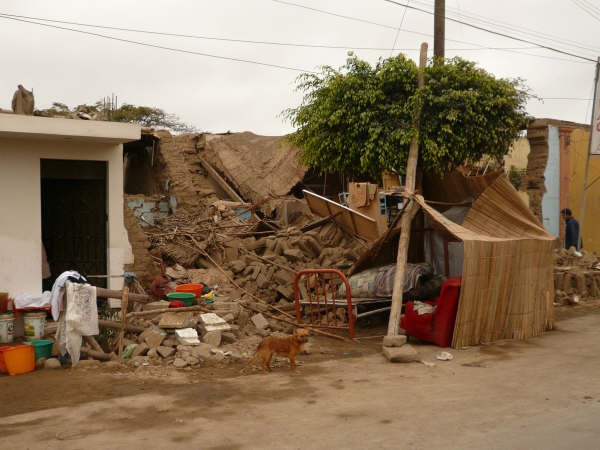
{"x": 284, "y": 277}
{"x": 237, "y": 266}
{"x": 403, "y": 354}
{"x": 212, "y": 322}
{"x": 243, "y": 318}
{"x": 153, "y": 336}
{"x": 230, "y": 254}
{"x": 176, "y": 272}
{"x": 227, "y": 337}
{"x": 156, "y": 305}
{"x": 140, "y": 350}
{"x": 262, "y": 281}
{"x": 259, "y": 321}
{"x": 286, "y": 291}
{"x": 170, "y": 341}
{"x": 293, "y": 254}
{"x": 192, "y": 361}
{"x": 165, "y": 352}
{"x": 213, "y": 338}
{"x": 202, "y": 351}
{"x": 152, "y": 353}
{"x": 177, "y": 320}
{"x": 394, "y": 341}
{"x": 228, "y": 318}
{"x": 180, "y": 363}
{"x": 52, "y": 363}
{"x": 187, "y": 336}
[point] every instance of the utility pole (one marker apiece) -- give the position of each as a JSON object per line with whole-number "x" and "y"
{"x": 439, "y": 30}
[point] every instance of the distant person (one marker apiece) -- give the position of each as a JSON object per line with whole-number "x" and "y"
{"x": 571, "y": 230}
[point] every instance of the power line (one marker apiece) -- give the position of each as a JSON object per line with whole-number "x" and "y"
{"x": 564, "y": 98}
{"x": 477, "y": 27}
{"x": 399, "y": 28}
{"x": 585, "y": 7}
{"x": 519, "y": 29}
{"x": 244, "y": 41}
{"x": 161, "y": 47}
{"x": 537, "y": 45}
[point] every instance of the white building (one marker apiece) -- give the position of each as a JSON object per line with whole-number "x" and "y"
{"x": 61, "y": 183}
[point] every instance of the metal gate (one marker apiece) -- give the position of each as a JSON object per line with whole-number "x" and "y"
{"x": 312, "y": 293}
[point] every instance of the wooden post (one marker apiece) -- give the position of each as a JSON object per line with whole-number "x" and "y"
{"x": 124, "y": 303}
{"x": 408, "y": 214}
{"x": 591, "y": 151}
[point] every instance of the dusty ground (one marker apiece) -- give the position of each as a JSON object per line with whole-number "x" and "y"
{"x": 542, "y": 393}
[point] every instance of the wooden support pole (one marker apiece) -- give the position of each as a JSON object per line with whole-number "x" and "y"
{"x": 100, "y": 356}
{"x": 93, "y": 343}
{"x": 164, "y": 310}
{"x": 220, "y": 181}
{"x": 408, "y": 214}
{"x": 124, "y": 304}
{"x": 109, "y": 293}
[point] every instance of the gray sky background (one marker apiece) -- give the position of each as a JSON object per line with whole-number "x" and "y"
{"x": 216, "y": 95}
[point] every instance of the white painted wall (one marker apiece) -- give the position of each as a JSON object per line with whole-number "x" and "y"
{"x": 20, "y": 207}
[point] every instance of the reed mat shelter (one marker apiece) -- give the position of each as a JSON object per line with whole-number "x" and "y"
{"x": 496, "y": 244}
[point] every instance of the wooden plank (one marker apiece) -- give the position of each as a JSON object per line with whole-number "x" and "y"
{"x": 356, "y": 224}
{"x": 215, "y": 175}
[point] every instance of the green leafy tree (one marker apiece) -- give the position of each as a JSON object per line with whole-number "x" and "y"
{"x": 145, "y": 116}
{"x": 359, "y": 119}
{"x": 150, "y": 117}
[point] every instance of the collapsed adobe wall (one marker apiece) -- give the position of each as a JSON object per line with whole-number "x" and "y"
{"x": 534, "y": 181}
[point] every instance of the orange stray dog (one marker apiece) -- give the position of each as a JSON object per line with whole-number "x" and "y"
{"x": 289, "y": 346}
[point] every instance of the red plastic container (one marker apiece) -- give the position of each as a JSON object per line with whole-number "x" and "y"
{"x": 18, "y": 359}
{"x": 195, "y": 289}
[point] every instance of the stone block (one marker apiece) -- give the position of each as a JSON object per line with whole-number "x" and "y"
{"x": 153, "y": 336}
{"x": 177, "y": 320}
{"x": 403, "y": 354}
{"x": 180, "y": 363}
{"x": 213, "y": 322}
{"x": 213, "y": 338}
{"x": 140, "y": 350}
{"x": 165, "y": 352}
{"x": 259, "y": 321}
{"x": 293, "y": 254}
{"x": 228, "y": 338}
{"x": 394, "y": 341}
{"x": 201, "y": 351}
{"x": 156, "y": 305}
{"x": 187, "y": 336}
{"x": 286, "y": 291}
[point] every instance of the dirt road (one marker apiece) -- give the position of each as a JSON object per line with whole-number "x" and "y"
{"x": 543, "y": 393}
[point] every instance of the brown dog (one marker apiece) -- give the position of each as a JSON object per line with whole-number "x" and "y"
{"x": 289, "y": 346}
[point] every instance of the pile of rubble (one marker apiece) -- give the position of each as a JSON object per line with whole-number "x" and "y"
{"x": 576, "y": 276}
{"x": 226, "y": 332}
{"x": 262, "y": 259}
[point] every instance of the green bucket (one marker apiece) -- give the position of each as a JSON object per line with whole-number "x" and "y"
{"x": 187, "y": 298}
{"x": 42, "y": 348}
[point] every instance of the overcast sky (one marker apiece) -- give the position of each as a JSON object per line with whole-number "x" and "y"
{"x": 217, "y": 95}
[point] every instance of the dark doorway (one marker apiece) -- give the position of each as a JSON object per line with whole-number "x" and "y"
{"x": 74, "y": 218}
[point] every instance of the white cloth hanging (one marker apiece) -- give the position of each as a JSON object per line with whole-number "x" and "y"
{"x": 79, "y": 319}
{"x": 58, "y": 289}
